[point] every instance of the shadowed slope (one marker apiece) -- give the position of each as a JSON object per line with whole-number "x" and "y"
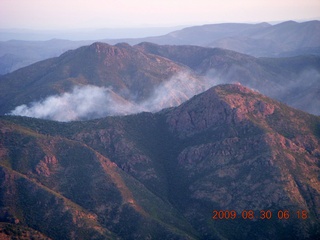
{"x": 229, "y": 148}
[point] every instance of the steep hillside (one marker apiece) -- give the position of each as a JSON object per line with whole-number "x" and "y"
{"x": 67, "y": 190}
{"x": 101, "y": 80}
{"x": 229, "y": 148}
{"x": 294, "y": 80}
{"x": 10, "y": 231}
{"x": 248, "y": 152}
{"x": 128, "y": 73}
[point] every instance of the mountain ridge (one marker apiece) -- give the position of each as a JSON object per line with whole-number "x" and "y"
{"x": 226, "y": 148}
{"x": 149, "y": 77}
{"x": 259, "y": 40}
{"x": 127, "y": 72}
{"x": 279, "y": 78}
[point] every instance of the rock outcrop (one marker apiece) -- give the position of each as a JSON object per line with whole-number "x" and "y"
{"x": 162, "y": 175}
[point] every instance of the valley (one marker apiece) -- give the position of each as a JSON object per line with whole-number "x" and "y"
{"x": 229, "y": 148}
{"x": 208, "y": 132}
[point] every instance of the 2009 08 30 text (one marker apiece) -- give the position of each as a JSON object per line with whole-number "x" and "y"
{"x": 262, "y": 214}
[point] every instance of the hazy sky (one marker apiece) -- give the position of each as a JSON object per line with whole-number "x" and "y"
{"x": 66, "y": 14}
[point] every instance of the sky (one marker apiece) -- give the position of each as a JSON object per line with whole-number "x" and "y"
{"x": 80, "y": 14}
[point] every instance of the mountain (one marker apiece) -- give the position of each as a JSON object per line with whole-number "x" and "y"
{"x": 282, "y": 39}
{"x": 163, "y": 175}
{"x": 76, "y": 193}
{"x": 260, "y": 40}
{"x": 293, "y": 80}
{"x": 126, "y": 73}
{"x": 123, "y": 79}
{"x": 200, "y": 35}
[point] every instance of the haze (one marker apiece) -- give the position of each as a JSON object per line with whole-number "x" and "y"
{"x": 79, "y": 14}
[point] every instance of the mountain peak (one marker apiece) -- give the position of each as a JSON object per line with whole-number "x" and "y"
{"x": 231, "y": 104}
{"x": 227, "y": 148}
{"x": 100, "y": 45}
{"x": 103, "y": 48}
{"x": 236, "y": 87}
{"x": 290, "y": 22}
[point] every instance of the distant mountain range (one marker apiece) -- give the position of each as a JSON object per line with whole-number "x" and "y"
{"x": 165, "y": 175}
{"x": 150, "y": 77}
{"x": 17, "y": 54}
{"x": 293, "y": 80}
{"x": 84, "y": 33}
{"x": 260, "y": 40}
{"x": 175, "y": 141}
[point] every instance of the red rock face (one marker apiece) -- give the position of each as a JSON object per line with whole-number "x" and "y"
{"x": 249, "y": 157}
{"x": 229, "y": 148}
{"x": 46, "y": 166}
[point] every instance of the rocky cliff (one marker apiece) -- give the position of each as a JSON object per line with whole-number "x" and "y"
{"x": 163, "y": 175}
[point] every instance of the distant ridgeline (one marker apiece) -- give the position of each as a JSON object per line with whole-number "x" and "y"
{"x": 285, "y": 39}
{"x": 175, "y": 141}
{"x": 102, "y": 80}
